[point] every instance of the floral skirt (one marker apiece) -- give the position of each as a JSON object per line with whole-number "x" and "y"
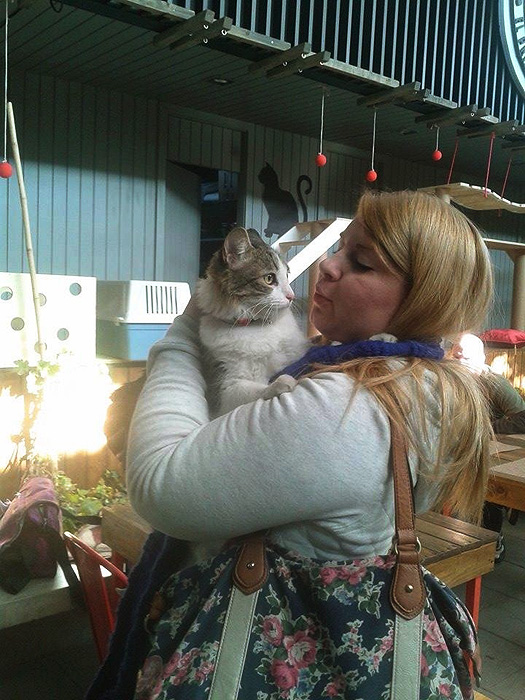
{"x": 319, "y": 630}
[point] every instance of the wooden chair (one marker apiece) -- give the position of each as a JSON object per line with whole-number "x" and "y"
{"x": 100, "y": 591}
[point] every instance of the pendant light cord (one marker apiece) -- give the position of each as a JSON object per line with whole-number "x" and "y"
{"x": 5, "y": 77}
{"x": 322, "y": 123}
{"x": 374, "y": 138}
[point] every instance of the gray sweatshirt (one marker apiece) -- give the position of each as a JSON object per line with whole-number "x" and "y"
{"x": 312, "y": 464}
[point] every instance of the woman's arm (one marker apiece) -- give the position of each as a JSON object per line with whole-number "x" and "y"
{"x": 296, "y": 457}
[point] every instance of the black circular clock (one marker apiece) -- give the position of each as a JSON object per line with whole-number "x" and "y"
{"x": 512, "y": 31}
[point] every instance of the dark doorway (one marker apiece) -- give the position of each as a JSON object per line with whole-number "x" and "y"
{"x": 219, "y": 192}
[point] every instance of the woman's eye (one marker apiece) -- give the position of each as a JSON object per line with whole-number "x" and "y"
{"x": 358, "y": 265}
{"x": 270, "y": 278}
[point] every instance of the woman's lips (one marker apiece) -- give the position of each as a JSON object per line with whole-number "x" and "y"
{"x": 319, "y": 298}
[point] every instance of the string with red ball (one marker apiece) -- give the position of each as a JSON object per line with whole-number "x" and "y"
{"x": 453, "y": 161}
{"x": 436, "y": 155}
{"x": 371, "y": 175}
{"x": 489, "y": 159}
{"x": 320, "y": 158}
{"x": 505, "y": 180}
{"x": 6, "y": 169}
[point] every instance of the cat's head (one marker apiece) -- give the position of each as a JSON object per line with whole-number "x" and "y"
{"x": 267, "y": 175}
{"x": 245, "y": 280}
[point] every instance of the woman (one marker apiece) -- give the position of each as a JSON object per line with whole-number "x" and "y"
{"x": 409, "y": 265}
{"x": 313, "y": 465}
{"x": 507, "y": 415}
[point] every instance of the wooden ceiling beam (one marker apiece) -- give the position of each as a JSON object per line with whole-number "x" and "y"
{"x": 186, "y": 29}
{"x": 500, "y": 129}
{"x": 159, "y": 7}
{"x": 411, "y": 92}
{"x": 220, "y": 27}
{"x": 442, "y": 117}
{"x": 280, "y": 59}
{"x": 300, "y": 64}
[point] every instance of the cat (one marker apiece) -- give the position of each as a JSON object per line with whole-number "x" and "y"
{"x": 280, "y": 204}
{"x": 247, "y": 328}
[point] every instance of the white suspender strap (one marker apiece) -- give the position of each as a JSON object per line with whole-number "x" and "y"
{"x": 406, "y": 672}
{"x": 233, "y": 645}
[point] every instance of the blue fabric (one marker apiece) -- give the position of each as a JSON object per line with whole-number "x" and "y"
{"x": 334, "y": 354}
{"x": 129, "y": 645}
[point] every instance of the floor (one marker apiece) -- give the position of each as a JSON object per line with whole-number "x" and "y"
{"x": 502, "y": 621}
{"x": 54, "y": 659}
{"x": 49, "y": 659}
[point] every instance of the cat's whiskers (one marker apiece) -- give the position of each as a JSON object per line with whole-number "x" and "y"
{"x": 266, "y": 317}
{"x": 296, "y": 309}
{"x": 253, "y": 310}
{"x": 272, "y": 305}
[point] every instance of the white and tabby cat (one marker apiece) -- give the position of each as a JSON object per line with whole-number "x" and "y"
{"x": 247, "y": 327}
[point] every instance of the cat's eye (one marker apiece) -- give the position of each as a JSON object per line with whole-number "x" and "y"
{"x": 270, "y": 278}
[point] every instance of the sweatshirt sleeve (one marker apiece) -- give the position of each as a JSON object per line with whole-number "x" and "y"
{"x": 264, "y": 464}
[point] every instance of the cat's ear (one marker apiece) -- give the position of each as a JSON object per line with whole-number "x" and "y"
{"x": 255, "y": 238}
{"x": 236, "y": 247}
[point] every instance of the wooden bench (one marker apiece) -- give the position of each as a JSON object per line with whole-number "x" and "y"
{"x": 457, "y": 553}
{"x": 507, "y": 475}
{"x": 454, "y": 551}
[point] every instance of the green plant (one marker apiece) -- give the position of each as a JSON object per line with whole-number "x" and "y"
{"x": 34, "y": 381}
{"x": 76, "y": 502}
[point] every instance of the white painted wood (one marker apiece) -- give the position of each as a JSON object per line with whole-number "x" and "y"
{"x": 313, "y": 247}
{"x": 40, "y": 598}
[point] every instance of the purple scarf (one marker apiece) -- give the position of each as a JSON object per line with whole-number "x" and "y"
{"x": 334, "y": 354}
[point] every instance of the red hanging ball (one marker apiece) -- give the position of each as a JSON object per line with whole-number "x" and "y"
{"x": 320, "y": 159}
{"x": 437, "y": 155}
{"x": 6, "y": 169}
{"x": 371, "y": 176}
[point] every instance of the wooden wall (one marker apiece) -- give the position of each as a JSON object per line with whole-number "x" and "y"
{"x": 95, "y": 164}
{"x": 95, "y": 169}
{"x": 93, "y": 175}
{"x": 211, "y": 145}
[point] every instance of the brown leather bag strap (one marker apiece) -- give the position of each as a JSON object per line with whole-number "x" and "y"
{"x": 407, "y": 592}
{"x": 251, "y": 568}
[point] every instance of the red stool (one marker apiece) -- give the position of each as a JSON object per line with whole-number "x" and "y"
{"x": 100, "y": 592}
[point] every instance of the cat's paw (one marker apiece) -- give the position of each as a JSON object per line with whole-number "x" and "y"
{"x": 280, "y": 386}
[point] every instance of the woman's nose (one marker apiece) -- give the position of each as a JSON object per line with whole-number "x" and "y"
{"x": 329, "y": 267}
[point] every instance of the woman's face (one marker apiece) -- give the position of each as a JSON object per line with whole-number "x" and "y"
{"x": 356, "y": 295}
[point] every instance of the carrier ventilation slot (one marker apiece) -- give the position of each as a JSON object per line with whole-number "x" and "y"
{"x": 161, "y": 299}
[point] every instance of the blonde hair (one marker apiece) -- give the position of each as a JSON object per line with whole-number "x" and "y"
{"x": 442, "y": 256}
{"x": 445, "y": 262}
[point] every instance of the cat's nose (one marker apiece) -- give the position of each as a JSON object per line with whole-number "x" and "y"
{"x": 290, "y": 295}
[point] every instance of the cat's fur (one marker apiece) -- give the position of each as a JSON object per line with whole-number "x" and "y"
{"x": 247, "y": 327}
